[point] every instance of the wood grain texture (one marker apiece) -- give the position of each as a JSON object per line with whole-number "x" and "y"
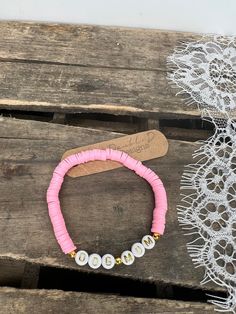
{"x": 89, "y": 45}
{"x": 72, "y": 68}
{"x": 55, "y": 301}
{"x": 104, "y": 212}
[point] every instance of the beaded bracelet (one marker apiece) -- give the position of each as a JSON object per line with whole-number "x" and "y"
{"x": 138, "y": 249}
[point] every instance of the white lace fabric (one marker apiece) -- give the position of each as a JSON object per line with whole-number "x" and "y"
{"x": 206, "y": 71}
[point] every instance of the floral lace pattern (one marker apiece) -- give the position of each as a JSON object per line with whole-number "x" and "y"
{"x": 206, "y": 71}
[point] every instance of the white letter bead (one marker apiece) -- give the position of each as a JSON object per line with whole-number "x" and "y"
{"x": 108, "y": 261}
{"x": 138, "y": 249}
{"x": 95, "y": 261}
{"x": 81, "y": 258}
{"x": 127, "y": 257}
{"x": 148, "y": 242}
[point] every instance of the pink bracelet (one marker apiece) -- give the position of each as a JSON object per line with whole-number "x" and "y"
{"x": 138, "y": 249}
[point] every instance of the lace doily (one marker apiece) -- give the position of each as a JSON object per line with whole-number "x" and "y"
{"x": 206, "y": 71}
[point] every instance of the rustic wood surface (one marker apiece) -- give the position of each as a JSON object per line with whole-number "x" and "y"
{"x": 67, "y": 69}
{"x": 55, "y": 301}
{"x": 104, "y": 212}
{"x": 71, "y": 68}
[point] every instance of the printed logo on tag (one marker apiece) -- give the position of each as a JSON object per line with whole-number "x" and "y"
{"x": 141, "y": 146}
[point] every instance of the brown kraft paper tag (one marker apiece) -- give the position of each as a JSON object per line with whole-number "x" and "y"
{"x": 141, "y": 146}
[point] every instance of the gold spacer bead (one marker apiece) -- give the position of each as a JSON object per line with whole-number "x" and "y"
{"x": 72, "y": 254}
{"x": 156, "y": 236}
{"x": 118, "y": 261}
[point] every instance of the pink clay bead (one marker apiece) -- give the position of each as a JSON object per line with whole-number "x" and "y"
{"x": 55, "y": 214}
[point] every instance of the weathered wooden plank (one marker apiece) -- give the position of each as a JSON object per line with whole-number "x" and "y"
{"x": 105, "y": 212}
{"x": 88, "y": 69}
{"x": 45, "y": 87}
{"x": 89, "y": 45}
{"x": 55, "y": 301}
